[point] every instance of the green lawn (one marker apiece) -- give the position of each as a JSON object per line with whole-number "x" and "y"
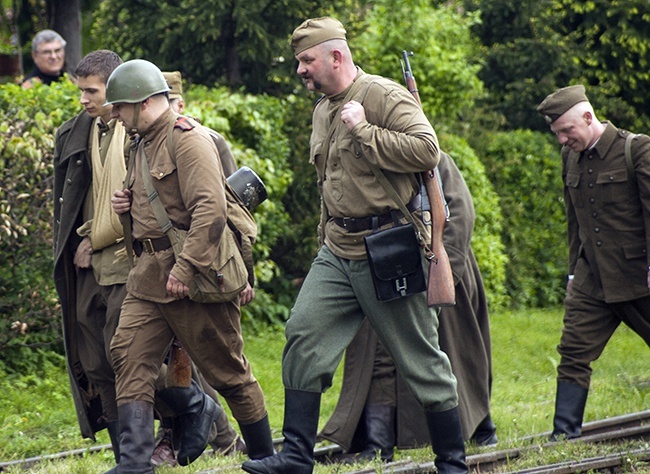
{"x": 37, "y": 415}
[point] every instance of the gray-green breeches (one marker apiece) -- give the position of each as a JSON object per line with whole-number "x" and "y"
{"x": 335, "y": 297}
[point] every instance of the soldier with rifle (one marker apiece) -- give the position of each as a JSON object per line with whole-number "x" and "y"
{"x": 362, "y": 123}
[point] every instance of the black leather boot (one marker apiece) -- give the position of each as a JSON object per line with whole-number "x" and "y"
{"x": 257, "y": 437}
{"x": 379, "y": 421}
{"x": 570, "y": 401}
{"x": 485, "y": 433}
{"x": 195, "y": 413}
{"x": 447, "y": 441}
{"x": 301, "y": 411}
{"x": 113, "y": 428}
{"x": 136, "y": 438}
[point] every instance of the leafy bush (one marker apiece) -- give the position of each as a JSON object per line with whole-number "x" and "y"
{"x": 29, "y": 318}
{"x": 525, "y": 169}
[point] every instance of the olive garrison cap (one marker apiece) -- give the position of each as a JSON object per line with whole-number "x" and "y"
{"x": 560, "y": 101}
{"x": 316, "y": 31}
{"x": 175, "y": 84}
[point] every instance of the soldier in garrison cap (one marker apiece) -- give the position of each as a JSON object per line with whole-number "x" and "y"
{"x": 360, "y": 114}
{"x": 607, "y": 199}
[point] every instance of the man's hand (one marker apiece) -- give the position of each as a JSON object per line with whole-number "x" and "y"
{"x": 246, "y": 295}
{"x": 83, "y": 255}
{"x": 352, "y": 113}
{"x": 121, "y": 201}
{"x": 176, "y": 288}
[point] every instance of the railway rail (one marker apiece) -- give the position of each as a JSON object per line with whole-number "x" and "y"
{"x": 634, "y": 426}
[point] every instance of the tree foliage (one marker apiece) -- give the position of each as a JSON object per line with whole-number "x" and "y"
{"x": 232, "y": 42}
{"x": 532, "y": 47}
{"x": 443, "y": 60}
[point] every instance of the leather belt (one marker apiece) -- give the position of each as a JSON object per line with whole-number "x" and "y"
{"x": 357, "y": 224}
{"x": 151, "y": 246}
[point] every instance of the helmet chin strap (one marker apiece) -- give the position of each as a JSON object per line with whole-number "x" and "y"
{"x": 136, "y": 117}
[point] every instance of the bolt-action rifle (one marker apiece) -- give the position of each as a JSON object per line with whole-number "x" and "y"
{"x": 440, "y": 287}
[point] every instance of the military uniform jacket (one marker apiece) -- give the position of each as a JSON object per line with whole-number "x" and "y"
{"x": 463, "y": 333}
{"x": 396, "y": 136}
{"x": 192, "y": 190}
{"x": 72, "y": 179}
{"x": 608, "y": 214}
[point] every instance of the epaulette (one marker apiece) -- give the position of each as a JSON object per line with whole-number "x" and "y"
{"x": 184, "y": 124}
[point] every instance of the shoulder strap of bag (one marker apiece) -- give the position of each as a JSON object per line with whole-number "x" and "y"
{"x": 126, "y": 217}
{"x": 381, "y": 177}
{"x": 628, "y": 154}
{"x": 162, "y": 217}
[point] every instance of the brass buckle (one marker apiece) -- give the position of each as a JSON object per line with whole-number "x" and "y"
{"x": 147, "y": 246}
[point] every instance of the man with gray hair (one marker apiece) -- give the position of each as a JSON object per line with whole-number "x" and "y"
{"x": 48, "y": 53}
{"x": 606, "y": 175}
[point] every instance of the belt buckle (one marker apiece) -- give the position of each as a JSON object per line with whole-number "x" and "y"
{"x": 348, "y": 223}
{"x": 147, "y": 246}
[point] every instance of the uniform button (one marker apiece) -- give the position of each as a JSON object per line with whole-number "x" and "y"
{"x": 61, "y": 199}
{"x": 594, "y": 214}
{"x": 590, "y": 171}
{"x": 78, "y": 162}
{"x": 599, "y": 243}
{"x": 68, "y": 181}
{"x": 592, "y": 200}
{"x": 161, "y": 174}
{"x": 597, "y": 229}
{"x": 611, "y": 178}
{"x": 591, "y": 185}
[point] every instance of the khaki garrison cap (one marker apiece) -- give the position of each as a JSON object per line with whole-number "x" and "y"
{"x": 560, "y": 101}
{"x": 175, "y": 84}
{"x": 316, "y": 31}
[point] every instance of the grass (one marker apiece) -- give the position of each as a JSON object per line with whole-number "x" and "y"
{"x": 37, "y": 415}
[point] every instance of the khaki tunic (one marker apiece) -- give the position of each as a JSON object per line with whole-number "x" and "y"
{"x": 193, "y": 202}
{"x": 397, "y": 137}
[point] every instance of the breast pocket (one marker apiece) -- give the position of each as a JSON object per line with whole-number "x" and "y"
{"x": 572, "y": 182}
{"x": 162, "y": 168}
{"x": 614, "y": 183}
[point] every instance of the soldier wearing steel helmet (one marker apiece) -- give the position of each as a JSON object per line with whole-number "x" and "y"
{"x": 190, "y": 186}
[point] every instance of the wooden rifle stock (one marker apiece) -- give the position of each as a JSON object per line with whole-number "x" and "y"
{"x": 440, "y": 285}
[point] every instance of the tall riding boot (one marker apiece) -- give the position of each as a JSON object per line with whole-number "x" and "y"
{"x": 485, "y": 433}
{"x": 570, "y": 402}
{"x": 379, "y": 421}
{"x": 447, "y": 441}
{"x": 195, "y": 413}
{"x": 301, "y": 411}
{"x": 257, "y": 437}
{"x": 113, "y": 428}
{"x": 136, "y": 438}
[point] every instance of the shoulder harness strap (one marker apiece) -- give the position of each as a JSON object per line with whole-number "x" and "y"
{"x": 628, "y": 154}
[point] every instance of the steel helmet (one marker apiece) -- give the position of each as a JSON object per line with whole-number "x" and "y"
{"x": 134, "y": 81}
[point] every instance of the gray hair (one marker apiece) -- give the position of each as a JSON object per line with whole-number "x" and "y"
{"x": 46, "y": 36}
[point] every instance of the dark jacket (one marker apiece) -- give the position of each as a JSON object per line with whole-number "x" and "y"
{"x": 608, "y": 215}
{"x": 72, "y": 178}
{"x": 464, "y": 334}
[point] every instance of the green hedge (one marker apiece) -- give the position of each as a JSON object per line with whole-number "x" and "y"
{"x": 525, "y": 169}
{"x": 29, "y": 315}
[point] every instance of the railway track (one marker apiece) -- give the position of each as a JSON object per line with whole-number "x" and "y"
{"x": 634, "y": 426}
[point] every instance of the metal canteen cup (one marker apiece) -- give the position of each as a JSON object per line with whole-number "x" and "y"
{"x": 248, "y": 187}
